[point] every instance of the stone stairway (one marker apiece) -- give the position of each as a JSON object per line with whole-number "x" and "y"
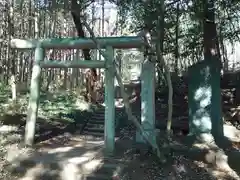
{"x": 95, "y": 126}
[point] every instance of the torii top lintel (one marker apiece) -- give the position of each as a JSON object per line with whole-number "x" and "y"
{"x": 123, "y": 42}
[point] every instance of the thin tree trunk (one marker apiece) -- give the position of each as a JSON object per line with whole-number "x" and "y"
{"x": 5, "y": 48}
{"x": 92, "y": 76}
{"x": 65, "y": 72}
{"x": 50, "y": 74}
{"x": 30, "y": 63}
{"x": 224, "y": 52}
{"x": 176, "y": 40}
{"x": 12, "y": 53}
{"x": 4, "y": 51}
{"x": 159, "y": 51}
{"x": 160, "y": 68}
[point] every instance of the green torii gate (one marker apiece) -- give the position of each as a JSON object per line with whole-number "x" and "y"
{"x": 108, "y": 43}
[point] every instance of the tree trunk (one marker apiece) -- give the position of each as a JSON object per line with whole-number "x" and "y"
{"x": 224, "y": 51}
{"x": 163, "y": 65}
{"x": 12, "y": 53}
{"x": 211, "y": 52}
{"x": 176, "y": 40}
{"x": 91, "y": 78}
{"x": 50, "y": 71}
{"x": 209, "y": 31}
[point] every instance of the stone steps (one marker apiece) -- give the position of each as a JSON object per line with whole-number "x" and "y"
{"x": 96, "y": 129}
{"x": 99, "y": 115}
{"x": 96, "y": 121}
{"x": 95, "y": 126}
{"x": 91, "y": 135}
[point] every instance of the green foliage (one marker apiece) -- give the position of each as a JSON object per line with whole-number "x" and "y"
{"x": 188, "y": 17}
{"x": 62, "y": 106}
{"x": 3, "y": 88}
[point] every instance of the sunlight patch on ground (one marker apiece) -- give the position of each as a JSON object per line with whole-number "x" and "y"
{"x": 15, "y": 154}
{"x": 69, "y": 169}
{"x": 96, "y": 142}
{"x": 32, "y": 173}
{"x": 60, "y": 150}
{"x": 231, "y": 132}
{"x": 70, "y": 172}
{"x": 7, "y": 129}
{"x": 80, "y": 160}
{"x": 118, "y": 103}
{"x": 5, "y": 104}
{"x": 221, "y": 174}
{"x": 219, "y": 159}
{"x": 82, "y": 105}
{"x": 67, "y": 162}
{"x": 91, "y": 165}
{"x": 218, "y": 173}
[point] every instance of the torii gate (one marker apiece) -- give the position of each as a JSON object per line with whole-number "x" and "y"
{"x": 108, "y": 43}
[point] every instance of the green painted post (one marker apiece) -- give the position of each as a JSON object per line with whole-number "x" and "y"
{"x": 34, "y": 97}
{"x": 147, "y": 99}
{"x": 204, "y": 98}
{"x": 109, "y": 126}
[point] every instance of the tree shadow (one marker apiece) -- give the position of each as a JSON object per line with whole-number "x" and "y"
{"x": 232, "y": 153}
{"x": 55, "y": 161}
{"x": 128, "y": 163}
{"x": 65, "y": 162}
{"x": 52, "y": 127}
{"x": 88, "y": 162}
{"x": 196, "y": 148}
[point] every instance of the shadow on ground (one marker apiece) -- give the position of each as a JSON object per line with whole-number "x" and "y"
{"x": 49, "y": 128}
{"x": 86, "y": 161}
{"x": 55, "y": 163}
{"x": 223, "y": 153}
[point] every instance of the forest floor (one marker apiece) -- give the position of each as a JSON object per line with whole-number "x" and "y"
{"x": 58, "y": 127}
